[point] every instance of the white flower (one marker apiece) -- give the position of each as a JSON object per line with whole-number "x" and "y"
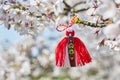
{"x": 58, "y": 7}
{"x": 115, "y": 45}
{"x": 19, "y": 16}
{"x": 3, "y": 14}
{"x": 112, "y": 31}
{"x": 27, "y": 42}
{"x": 74, "y": 72}
{"x": 25, "y": 69}
{"x": 43, "y": 60}
{"x": 107, "y": 10}
{"x": 11, "y": 76}
{"x": 33, "y": 27}
{"x": 37, "y": 72}
{"x": 56, "y": 72}
{"x": 33, "y": 8}
{"x": 32, "y": 2}
{"x": 115, "y": 73}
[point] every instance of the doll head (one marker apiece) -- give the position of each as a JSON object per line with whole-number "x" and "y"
{"x": 70, "y": 32}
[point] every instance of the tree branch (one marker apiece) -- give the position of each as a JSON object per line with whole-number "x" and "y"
{"x": 80, "y": 10}
{"x": 66, "y": 4}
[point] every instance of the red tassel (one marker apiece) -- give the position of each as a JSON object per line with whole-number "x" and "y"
{"x": 71, "y": 51}
{"x": 61, "y": 52}
{"x": 82, "y": 55}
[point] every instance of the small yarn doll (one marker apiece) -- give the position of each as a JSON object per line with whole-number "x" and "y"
{"x": 71, "y": 51}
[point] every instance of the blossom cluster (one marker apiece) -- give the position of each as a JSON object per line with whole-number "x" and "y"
{"x": 20, "y": 62}
{"x": 31, "y": 17}
{"x": 28, "y": 17}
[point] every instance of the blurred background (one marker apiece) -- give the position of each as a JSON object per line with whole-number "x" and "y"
{"x": 26, "y": 57}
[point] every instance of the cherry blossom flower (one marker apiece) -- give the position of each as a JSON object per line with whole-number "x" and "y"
{"x": 25, "y": 69}
{"x": 105, "y": 10}
{"x": 58, "y": 7}
{"x": 112, "y": 31}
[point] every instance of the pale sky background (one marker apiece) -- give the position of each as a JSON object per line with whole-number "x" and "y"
{"x": 10, "y": 35}
{"x": 13, "y": 36}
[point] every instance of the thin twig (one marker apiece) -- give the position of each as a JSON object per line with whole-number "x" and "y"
{"x": 66, "y": 4}
{"x": 80, "y": 10}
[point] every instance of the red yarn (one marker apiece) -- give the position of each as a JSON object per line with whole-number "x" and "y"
{"x": 81, "y": 54}
{"x": 61, "y": 52}
{"x": 72, "y": 33}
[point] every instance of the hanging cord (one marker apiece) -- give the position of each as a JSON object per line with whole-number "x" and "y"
{"x": 76, "y": 20}
{"x": 66, "y": 26}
